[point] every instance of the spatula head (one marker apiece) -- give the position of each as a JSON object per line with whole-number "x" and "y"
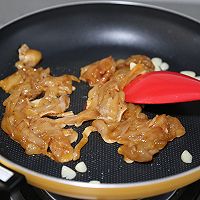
{"x": 162, "y": 87}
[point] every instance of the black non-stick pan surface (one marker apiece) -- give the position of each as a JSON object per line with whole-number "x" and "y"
{"x": 75, "y": 35}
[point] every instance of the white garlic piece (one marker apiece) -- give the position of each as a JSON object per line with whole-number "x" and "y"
{"x": 95, "y": 182}
{"x": 81, "y": 167}
{"x": 132, "y": 65}
{"x": 188, "y": 73}
{"x": 67, "y": 173}
{"x": 164, "y": 66}
{"x": 156, "y": 61}
{"x": 186, "y": 157}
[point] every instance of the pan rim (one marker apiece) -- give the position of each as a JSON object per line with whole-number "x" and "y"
{"x": 86, "y": 184}
{"x": 95, "y": 185}
{"x": 88, "y": 2}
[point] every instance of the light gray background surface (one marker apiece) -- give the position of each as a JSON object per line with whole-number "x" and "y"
{"x": 12, "y": 9}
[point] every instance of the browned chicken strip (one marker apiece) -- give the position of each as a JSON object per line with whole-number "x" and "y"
{"x": 36, "y": 97}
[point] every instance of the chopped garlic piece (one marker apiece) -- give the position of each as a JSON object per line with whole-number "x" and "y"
{"x": 186, "y": 157}
{"x": 156, "y": 61}
{"x": 164, "y": 66}
{"x": 132, "y": 65}
{"x": 157, "y": 68}
{"x": 188, "y": 73}
{"x": 128, "y": 160}
{"x": 95, "y": 182}
{"x": 67, "y": 173}
{"x": 81, "y": 167}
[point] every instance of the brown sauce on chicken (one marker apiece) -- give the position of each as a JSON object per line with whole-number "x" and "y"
{"x": 124, "y": 123}
{"x": 36, "y": 97}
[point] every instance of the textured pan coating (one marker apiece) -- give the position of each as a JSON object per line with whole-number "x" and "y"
{"x": 73, "y": 36}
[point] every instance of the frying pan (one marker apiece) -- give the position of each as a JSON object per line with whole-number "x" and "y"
{"x": 74, "y": 35}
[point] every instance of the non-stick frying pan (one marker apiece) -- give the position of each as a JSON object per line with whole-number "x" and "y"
{"x": 72, "y": 36}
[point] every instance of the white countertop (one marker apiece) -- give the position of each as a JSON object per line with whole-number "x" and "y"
{"x": 12, "y": 9}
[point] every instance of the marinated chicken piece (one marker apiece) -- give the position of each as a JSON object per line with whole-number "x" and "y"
{"x": 77, "y": 120}
{"x": 140, "y": 137}
{"x": 125, "y": 75}
{"x": 104, "y": 129}
{"x": 36, "y": 98}
{"x": 49, "y": 105}
{"x": 57, "y": 86}
{"x": 124, "y": 123}
{"x": 27, "y": 82}
{"x": 104, "y": 102}
{"x": 28, "y": 57}
{"x": 83, "y": 141}
{"x": 34, "y": 94}
{"x": 107, "y": 101}
{"x": 98, "y": 72}
{"x": 137, "y": 59}
{"x": 9, "y": 83}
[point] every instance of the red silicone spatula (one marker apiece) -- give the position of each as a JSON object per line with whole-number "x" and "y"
{"x": 162, "y": 87}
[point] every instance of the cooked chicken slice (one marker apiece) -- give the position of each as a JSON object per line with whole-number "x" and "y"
{"x": 98, "y": 72}
{"x": 36, "y": 116}
{"x": 28, "y": 57}
{"x": 140, "y": 137}
{"x": 34, "y": 93}
{"x": 137, "y": 59}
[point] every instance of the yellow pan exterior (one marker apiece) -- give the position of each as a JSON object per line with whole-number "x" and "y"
{"x": 105, "y": 191}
